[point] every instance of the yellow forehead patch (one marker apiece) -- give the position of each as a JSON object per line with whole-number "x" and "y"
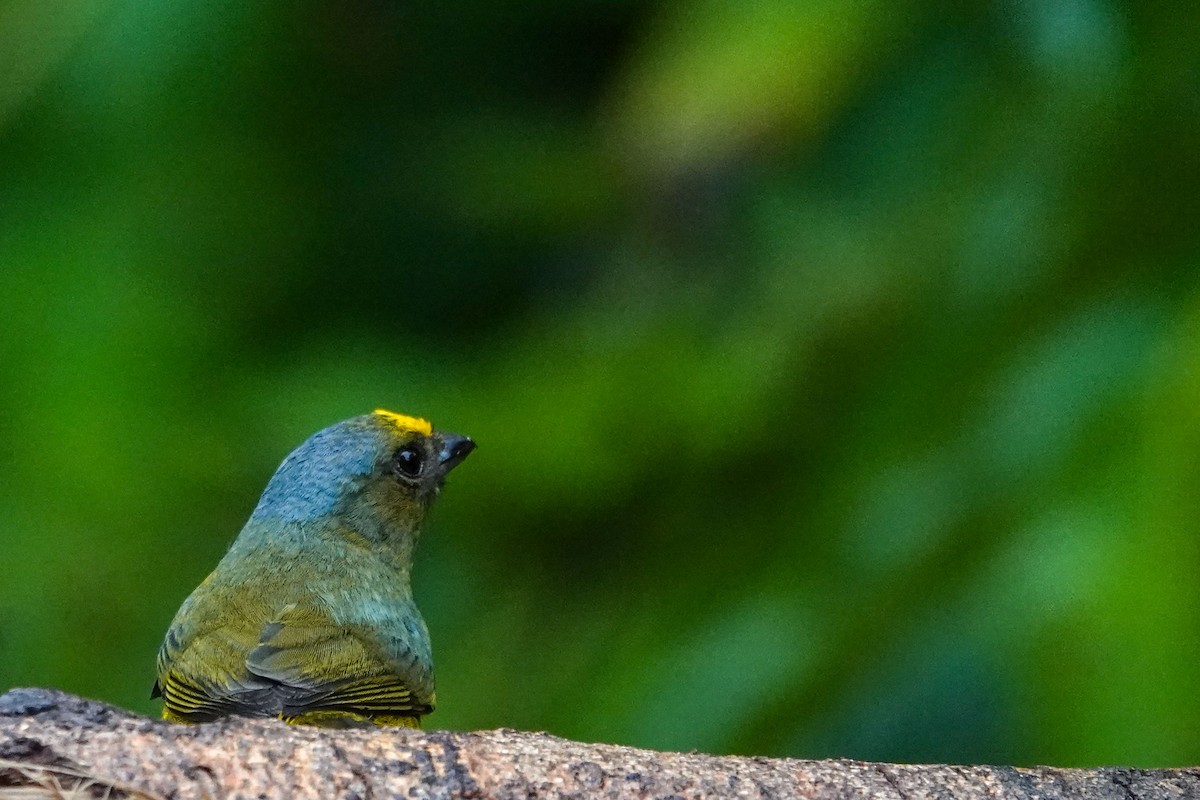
{"x": 405, "y": 423}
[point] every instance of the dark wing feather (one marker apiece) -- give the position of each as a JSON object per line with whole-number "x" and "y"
{"x": 324, "y": 667}
{"x": 204, "y": 679}
{"x": 298, "y": 663}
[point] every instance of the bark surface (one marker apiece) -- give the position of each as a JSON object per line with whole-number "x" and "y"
{"x": 57, "y": 745}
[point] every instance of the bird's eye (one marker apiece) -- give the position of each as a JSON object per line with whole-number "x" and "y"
{"x": 407, "y": 462}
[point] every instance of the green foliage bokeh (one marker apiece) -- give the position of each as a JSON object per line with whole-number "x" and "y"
{"x": 834, "y": 365}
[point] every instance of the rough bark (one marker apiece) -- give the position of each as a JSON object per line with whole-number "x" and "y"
{"x": 57, "y": 745}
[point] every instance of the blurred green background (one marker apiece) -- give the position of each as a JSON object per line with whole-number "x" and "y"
{"x": 834, "y": 365}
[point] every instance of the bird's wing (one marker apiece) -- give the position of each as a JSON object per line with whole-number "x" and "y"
{"x": 319, "y": 666}
{"x": 199, "y": 676}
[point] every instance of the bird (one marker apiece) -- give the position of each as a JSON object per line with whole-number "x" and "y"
{"x": 309, "y": 616}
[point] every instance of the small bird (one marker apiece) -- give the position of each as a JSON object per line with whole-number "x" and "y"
{"x": 309, "y": 617}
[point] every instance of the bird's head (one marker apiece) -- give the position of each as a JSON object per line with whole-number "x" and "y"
{"x": 377, "y": 472}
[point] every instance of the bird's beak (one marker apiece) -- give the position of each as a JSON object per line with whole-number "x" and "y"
{"x": 454, "y": 449}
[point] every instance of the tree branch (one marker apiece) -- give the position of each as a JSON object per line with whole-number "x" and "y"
{"x": 57, "y": 745}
